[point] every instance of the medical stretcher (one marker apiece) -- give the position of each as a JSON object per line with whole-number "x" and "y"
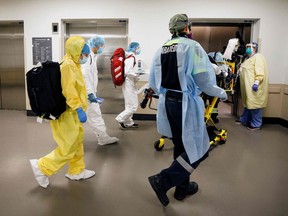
{"x": 216, "y": 135}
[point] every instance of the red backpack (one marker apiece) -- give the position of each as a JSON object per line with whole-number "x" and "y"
{"x": 118, "y": 65}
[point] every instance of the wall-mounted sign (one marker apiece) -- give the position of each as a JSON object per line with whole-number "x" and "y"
{"x": 42, "y": 49}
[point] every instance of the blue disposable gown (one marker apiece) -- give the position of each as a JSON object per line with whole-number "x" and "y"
{"x": 195, "y": 75}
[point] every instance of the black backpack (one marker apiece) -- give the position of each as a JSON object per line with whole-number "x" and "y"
{"x": 45, "y": 91}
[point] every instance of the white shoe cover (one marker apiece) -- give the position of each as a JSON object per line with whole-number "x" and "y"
{"x": 85, "y": 174}
{"x": 42, "y": 179}
{"x": 105, "y": 140}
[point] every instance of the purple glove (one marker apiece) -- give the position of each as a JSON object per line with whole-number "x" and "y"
{"x": 255, "y": 87}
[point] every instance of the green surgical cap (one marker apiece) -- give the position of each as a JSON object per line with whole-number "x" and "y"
{"x": 178, "y": 22}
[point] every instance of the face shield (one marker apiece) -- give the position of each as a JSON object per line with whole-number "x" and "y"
{"x": 251, "y": 48}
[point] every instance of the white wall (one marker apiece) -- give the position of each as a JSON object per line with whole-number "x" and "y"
{"x": 148, "y": 22}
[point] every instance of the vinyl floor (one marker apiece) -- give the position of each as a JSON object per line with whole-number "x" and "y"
{"x": 247, "y": 176}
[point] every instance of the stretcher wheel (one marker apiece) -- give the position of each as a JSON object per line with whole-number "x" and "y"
{"x": 159, "y": 144}
{"x": 223, "y": 137}
{"x": 222, "y": 141}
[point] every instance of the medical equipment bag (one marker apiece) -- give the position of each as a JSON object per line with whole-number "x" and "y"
{"x": 45, "y": 91}
{"x": 118, "y": 66}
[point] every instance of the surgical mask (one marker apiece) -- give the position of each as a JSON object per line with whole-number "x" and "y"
{"x": 248, "y": 50}
{"x": 190, "y": 35}
{"x": 100, "y": 50}
{"x": 83, "y": 60}
{"x": 138, "y": 51}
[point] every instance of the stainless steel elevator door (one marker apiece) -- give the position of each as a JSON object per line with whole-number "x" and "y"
{"x": 12, "y": 75}
{"x": 115, "y": 34}
{"x": 214, "y": 36}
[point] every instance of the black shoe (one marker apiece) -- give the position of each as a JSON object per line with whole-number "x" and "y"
{"x": 253, "y": 128}
{"x": 134, "y": 125}
{"x": 238, "y": 121}
{"x": 181, "y": 193}
{"x": 157, "y": 185}
{"x": 122, "y": 125}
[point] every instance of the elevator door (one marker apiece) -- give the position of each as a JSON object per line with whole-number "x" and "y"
{"x": 213, "y": 37}
{"x": 114, "y": 32}
{"x": 12, "y": 75}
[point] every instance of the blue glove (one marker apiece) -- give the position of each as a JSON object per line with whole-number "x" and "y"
{"x": 255, "y": 87}
{"x": 224, "y": 99}
{"x": 92, "y": 98}
{"x": 81, "y": 115}
{"x": 224, "y": 96}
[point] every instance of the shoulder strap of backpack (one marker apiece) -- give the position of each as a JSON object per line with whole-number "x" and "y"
{"x": 90, "y": 57}
{"x": 215, "y": 54}
{"x": 129, "y": 56}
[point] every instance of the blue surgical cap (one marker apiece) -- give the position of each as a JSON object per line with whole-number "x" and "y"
{"x": 86, "y": 49}
{"x": 132, "y": 46}
{"x": 96, "y": 41}
{"x": 217, "y": 57}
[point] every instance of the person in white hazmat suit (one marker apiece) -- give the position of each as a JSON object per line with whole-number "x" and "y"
{"x": 180, "y": 71}
{"x": 254, "y": 87}
{"x": 129, "y": 90}
{"x": 90, "y": 74}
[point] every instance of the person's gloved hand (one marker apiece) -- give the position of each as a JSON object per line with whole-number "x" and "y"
{"x": 81, "y": 115}
{"x": 255, "y": 85}
{"x": 224, "y": 98}
{"x": 99, "y": 100}
{"x": 92, "y": 98}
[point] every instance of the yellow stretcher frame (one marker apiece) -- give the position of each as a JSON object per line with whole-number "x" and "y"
{"x": 220, "y": 137}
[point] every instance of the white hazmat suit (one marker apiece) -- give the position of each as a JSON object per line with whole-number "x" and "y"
{"x": 129, "y": 91}
{"x": 95, "y": 119}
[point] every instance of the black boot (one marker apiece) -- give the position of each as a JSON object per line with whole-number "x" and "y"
{"x": 182, "y": 192}
{"x": 156, "y": 182}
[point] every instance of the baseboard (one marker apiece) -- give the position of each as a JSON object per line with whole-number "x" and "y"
{"x": 30, "y": 113}
{"x": 275, "y": 120}
{"x": 143, "y": 117}
{"x": 152, "y": 117}
{"x": 266, "y": 120}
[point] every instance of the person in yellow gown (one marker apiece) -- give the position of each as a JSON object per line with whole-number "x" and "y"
{"x": 254, "y": 87}
{"x": 67, "y": 130}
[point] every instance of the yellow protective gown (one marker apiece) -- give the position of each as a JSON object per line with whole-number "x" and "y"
{"x": 254, "y": 68}
{"x": 67, "y": 130}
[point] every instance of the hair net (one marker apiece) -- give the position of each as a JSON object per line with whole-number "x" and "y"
{"x": 86, "y": 49}
{"x": 132, "y": 46}
{"x": 178, "y": 22}
{"x": 96, "y": 41}
{"x": 217, "y": 56}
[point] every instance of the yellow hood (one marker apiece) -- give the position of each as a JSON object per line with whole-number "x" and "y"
{"x": 74, "y": 46}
